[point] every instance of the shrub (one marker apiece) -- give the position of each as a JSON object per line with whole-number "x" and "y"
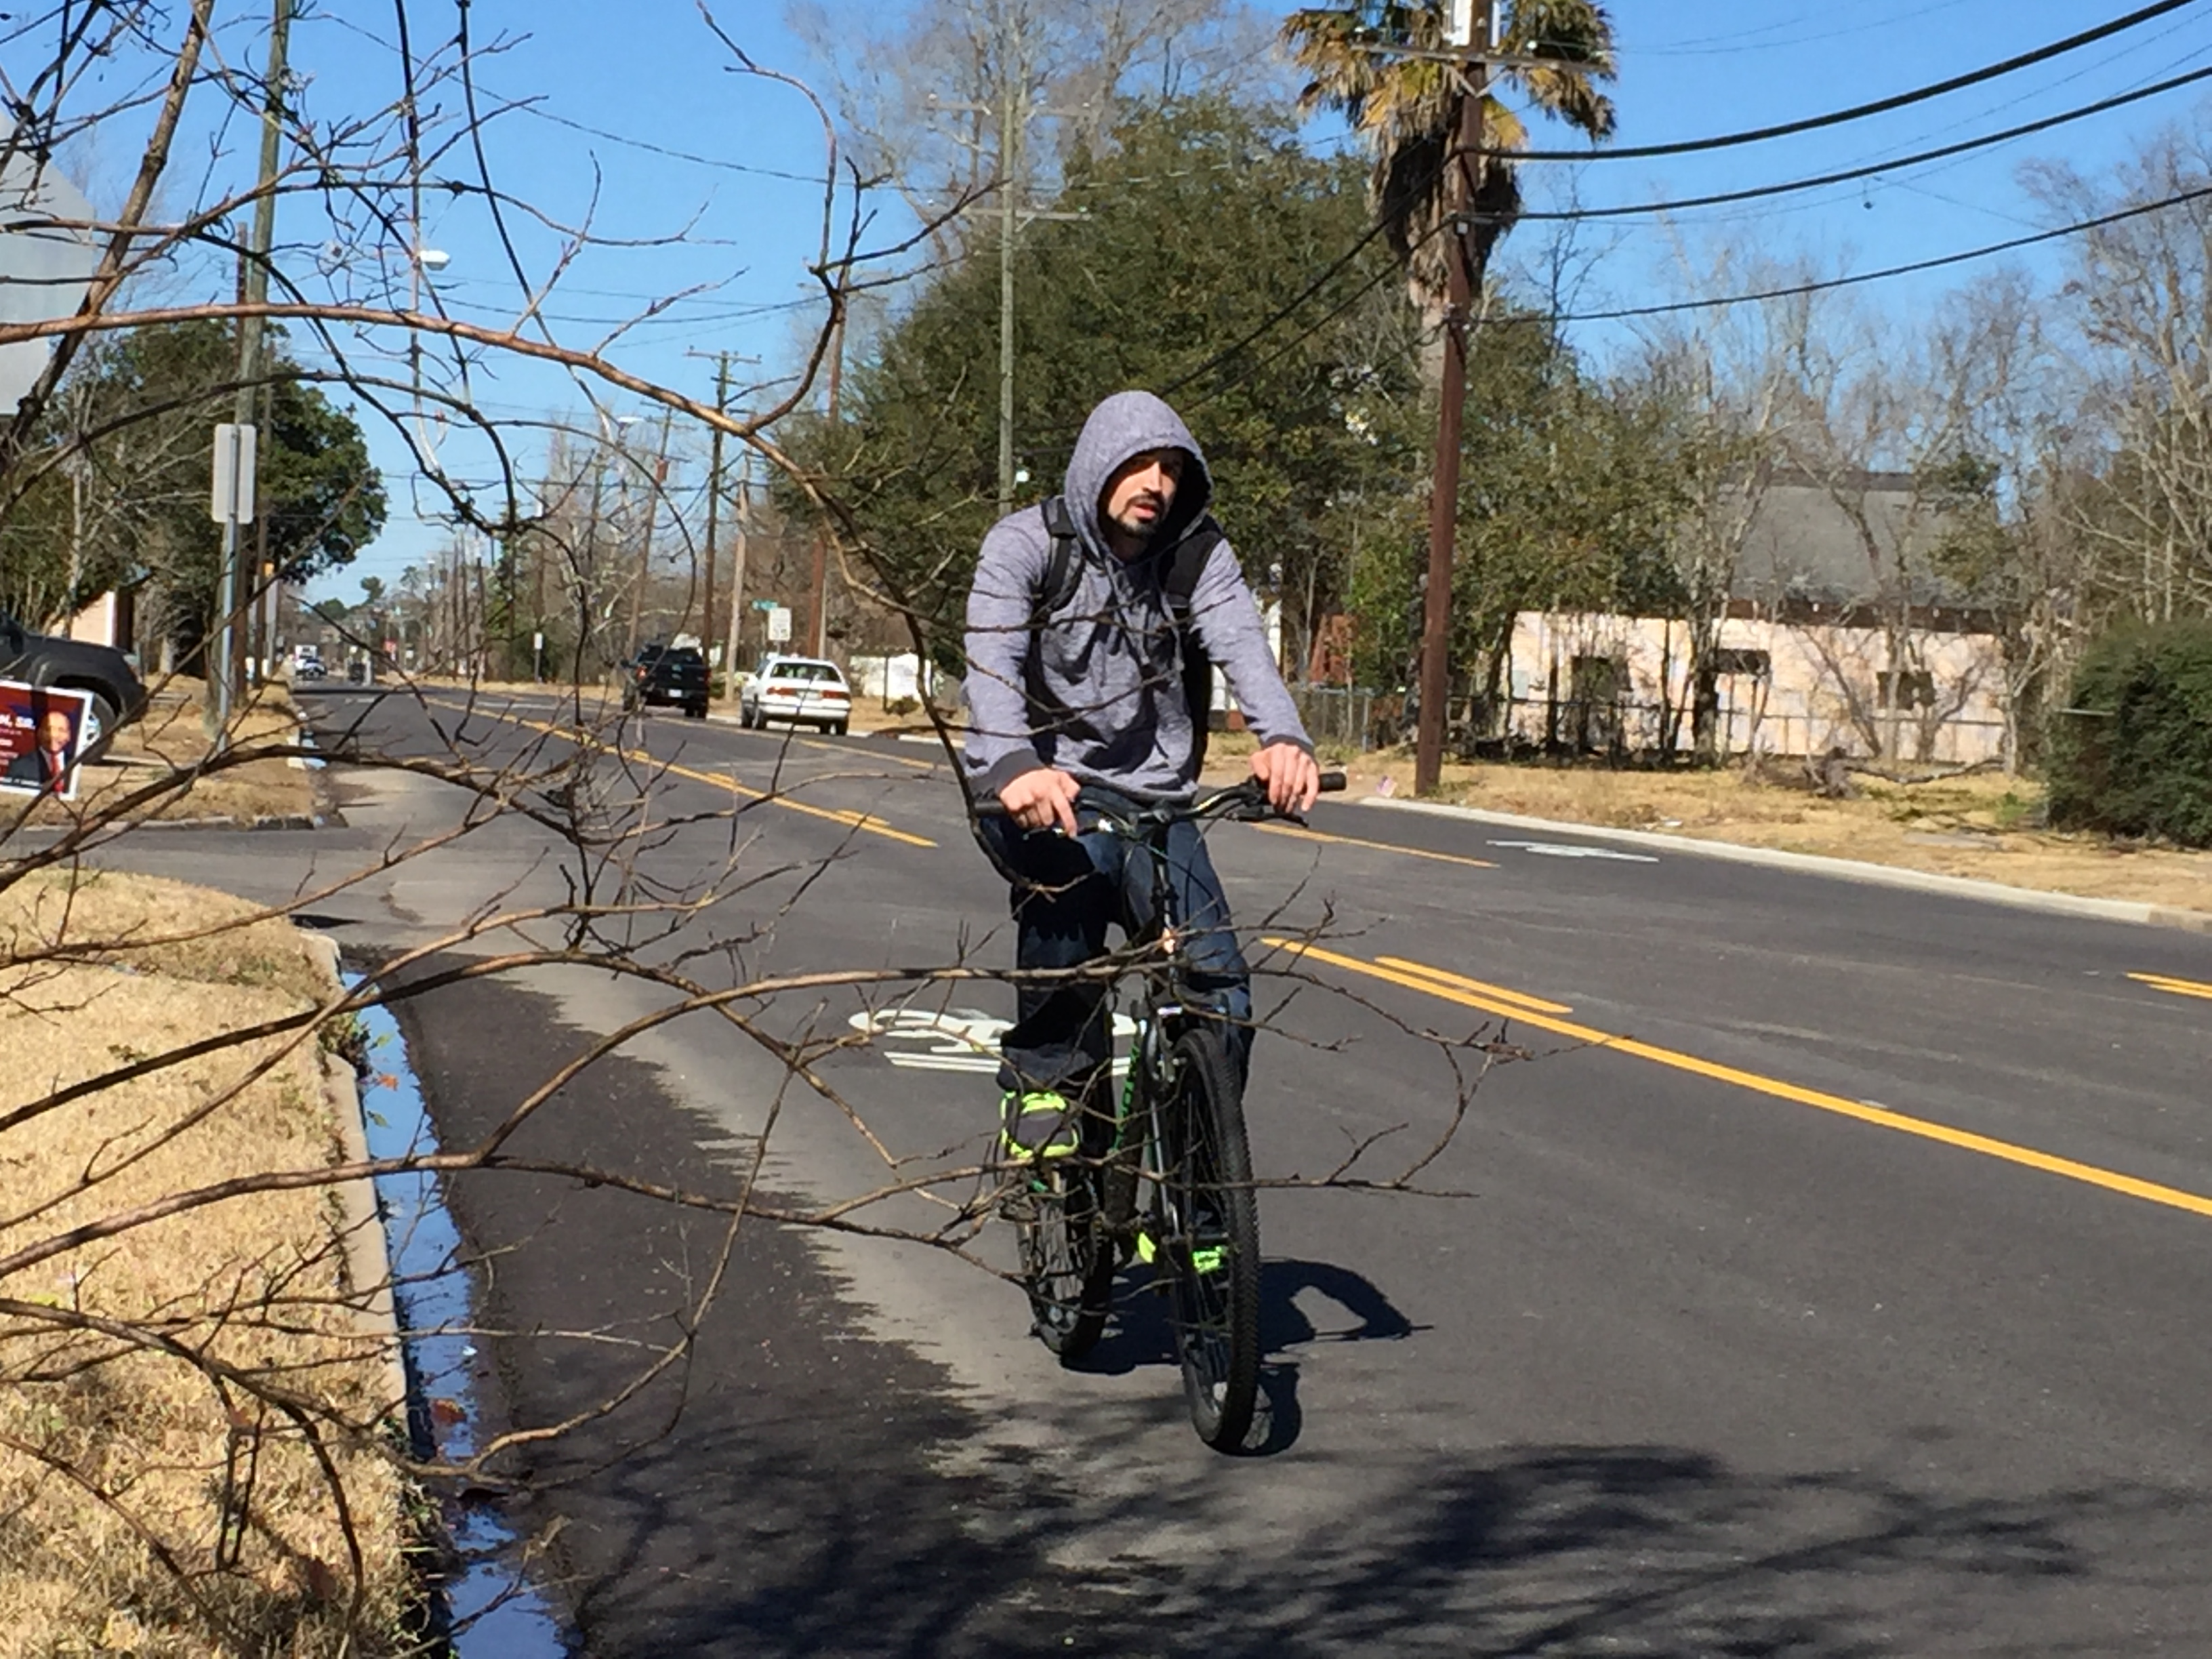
{"x": 2133, "y": 755}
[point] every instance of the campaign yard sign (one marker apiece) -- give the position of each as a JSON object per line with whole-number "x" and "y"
{"x": 40, "y": 728}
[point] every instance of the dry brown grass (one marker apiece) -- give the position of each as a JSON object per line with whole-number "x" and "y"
{"x": 169, "y": 742}
{"x": 109, "y": 1449}
{"x": 1978, "y": 826}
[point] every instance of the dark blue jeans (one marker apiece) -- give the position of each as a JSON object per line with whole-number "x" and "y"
{"x": 1065, "y": 894}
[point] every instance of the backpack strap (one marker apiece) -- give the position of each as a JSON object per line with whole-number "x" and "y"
{"x": 1186, "y": 564}
{"x": 1178, "y": 582}
{"x": 1061, "y": 573}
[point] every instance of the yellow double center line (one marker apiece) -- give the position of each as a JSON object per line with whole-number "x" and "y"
{"x": 1300, "y": 833}
{"x": 2172, "y": 987}
{"x": 862, "y": 820}
{"x": 1531, "y": 1011}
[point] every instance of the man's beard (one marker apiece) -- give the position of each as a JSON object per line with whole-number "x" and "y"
{"x": 1136, "y": 529}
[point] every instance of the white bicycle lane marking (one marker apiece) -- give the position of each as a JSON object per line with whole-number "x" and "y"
{"x": 1561, "y": 849}
{"x": 956, "y": 1039}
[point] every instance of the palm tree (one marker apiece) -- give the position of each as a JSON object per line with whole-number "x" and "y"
{"x": 1403, "y": 106}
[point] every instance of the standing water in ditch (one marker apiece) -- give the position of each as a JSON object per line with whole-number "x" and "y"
{"x": 492, "y": 1610}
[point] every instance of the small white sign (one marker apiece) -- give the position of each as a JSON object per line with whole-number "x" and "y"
{"x": 1559, "y": 849}
{"x": 230, "y": 495}
{"x": 779, "y": 625}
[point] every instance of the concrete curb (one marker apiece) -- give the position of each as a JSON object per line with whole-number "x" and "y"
{"x": 368, "y": 1261}
{"x": 1879, "y": 875}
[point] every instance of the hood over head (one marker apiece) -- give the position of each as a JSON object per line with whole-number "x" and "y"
{"x": 1125, "y": 424}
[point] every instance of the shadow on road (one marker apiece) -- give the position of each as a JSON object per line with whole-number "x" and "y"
{"x": 800, "y": 1488}
{"x": 1141, "y": 1335}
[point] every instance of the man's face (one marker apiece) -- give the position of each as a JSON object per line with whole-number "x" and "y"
{"x": 1141, "y": 490}
{"x": 55, "y": 727}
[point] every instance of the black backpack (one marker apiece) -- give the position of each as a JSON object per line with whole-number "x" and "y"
{"x": 1186, "y": 559}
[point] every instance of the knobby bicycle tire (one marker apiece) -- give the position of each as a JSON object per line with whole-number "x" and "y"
{"x": 1212, "y": 1217}
{"x": 1067, "y": 1264}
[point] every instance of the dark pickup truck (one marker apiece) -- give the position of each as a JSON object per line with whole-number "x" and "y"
{"x": 45, "y": 660}
{"x": 667, "y": 673}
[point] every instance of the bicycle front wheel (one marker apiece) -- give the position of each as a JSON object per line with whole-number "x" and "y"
{"x": 1210, "y": 1220}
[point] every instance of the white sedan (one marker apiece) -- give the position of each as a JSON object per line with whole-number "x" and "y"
{"x": 802, "y": 690}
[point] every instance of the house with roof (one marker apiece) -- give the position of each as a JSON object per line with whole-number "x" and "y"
{"x": 1836, "y": 633}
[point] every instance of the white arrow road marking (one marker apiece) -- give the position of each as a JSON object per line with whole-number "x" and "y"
{"x": 1561, "y": 849}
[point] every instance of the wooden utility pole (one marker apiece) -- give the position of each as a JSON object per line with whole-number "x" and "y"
{"x": 738, "y": 573}
{"x": 722, "y": 361}
{"x": 821, "y": 592}
{"x": 1444, "y": 495}
{"x": 222, "y": 673}
{"x": 645, "y": 544}
{"x": 714, "y": 511}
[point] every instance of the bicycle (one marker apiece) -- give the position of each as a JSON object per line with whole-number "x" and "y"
{"x": 1165, "y": 1176}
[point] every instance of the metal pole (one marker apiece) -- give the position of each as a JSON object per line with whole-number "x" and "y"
{"x": 1443, "y": 494}
{"x": 221, "y": 672}
{"x": 1010, "y": 147}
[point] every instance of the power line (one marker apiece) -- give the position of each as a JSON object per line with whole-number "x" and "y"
{"x": 1285, "y": 312}
{"x": 716, "y": 162}
{"x": 1788, "y": 291}
{"x": 1289, "y": 308}
{"x": 1715, "y": 45}
{"x": 1874, "y": 168}
{"x": 1824, "y": 284}
{"x": 1858, "y": 113}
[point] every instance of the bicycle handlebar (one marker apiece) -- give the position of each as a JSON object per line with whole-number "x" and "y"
{"x": 1245, "y": 802}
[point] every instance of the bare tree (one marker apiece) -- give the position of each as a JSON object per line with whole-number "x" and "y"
{"x": 579, "y": 793}
{"x": 2141, "y": 307}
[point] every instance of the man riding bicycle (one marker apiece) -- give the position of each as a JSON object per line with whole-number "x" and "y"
{"x": 1090, "y": 626}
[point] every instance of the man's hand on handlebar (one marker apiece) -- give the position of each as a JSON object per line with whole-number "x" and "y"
{"x": 1040, "y": 799}
{"x": 1291, "y": 774}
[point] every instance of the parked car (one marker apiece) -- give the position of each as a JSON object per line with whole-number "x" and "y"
{"x": 803, "y": 690}
{"x": 667, "y": 674}
{"x": 43, "y": 659}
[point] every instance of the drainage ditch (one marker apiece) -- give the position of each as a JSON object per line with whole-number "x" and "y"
{"x": 491, "y": 1608}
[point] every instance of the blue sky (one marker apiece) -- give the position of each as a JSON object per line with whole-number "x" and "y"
{"x": 650, "y": 75}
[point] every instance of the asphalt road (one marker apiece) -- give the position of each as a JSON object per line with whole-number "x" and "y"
{"x": 1824, "y": 1280}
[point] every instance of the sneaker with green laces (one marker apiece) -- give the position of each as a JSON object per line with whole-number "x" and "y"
{"x": 1204, "y": 1259}
{"x": 1039, "y": 1125}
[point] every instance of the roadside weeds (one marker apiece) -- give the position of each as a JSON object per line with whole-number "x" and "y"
{"x": 154, "y": 1493}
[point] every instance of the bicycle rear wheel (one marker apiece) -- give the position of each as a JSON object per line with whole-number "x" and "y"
{"x": 1210, "y": 1221}
{"x": 1067, "y": 1264}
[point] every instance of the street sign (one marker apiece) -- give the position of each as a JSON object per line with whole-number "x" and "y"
{"x": 779, "y": 625}
{"x": 45, "y": 268}
{"x": 765, "y": 605}
{"x": 230, "y": 497}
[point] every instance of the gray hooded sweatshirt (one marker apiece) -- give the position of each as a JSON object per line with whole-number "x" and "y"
{"x": 1098, "y": 690}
